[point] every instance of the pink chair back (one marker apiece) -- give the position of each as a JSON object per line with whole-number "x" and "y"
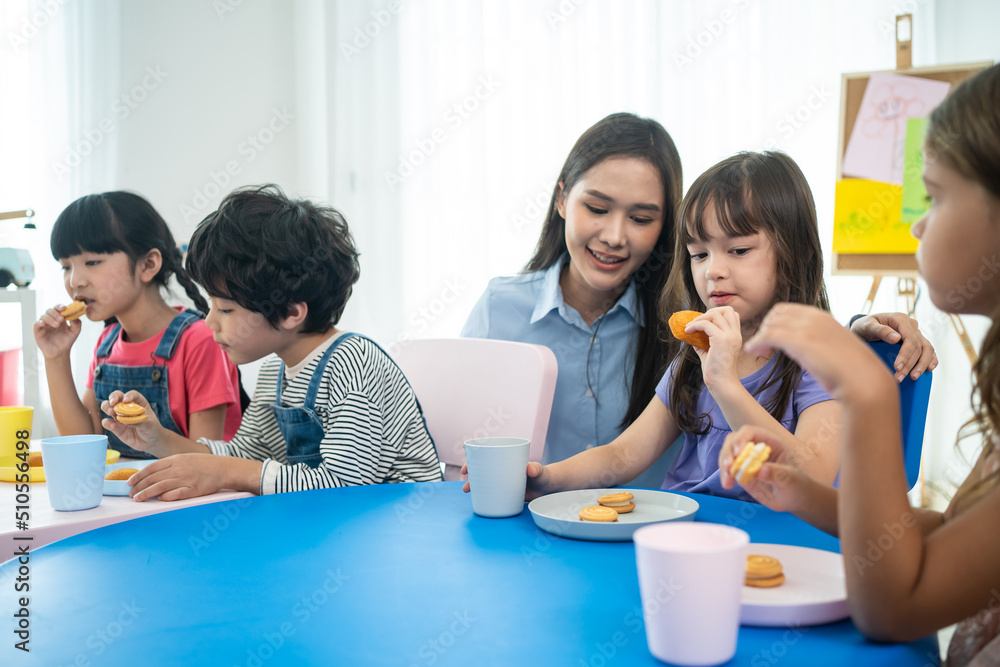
{"x": 475, "y": 388}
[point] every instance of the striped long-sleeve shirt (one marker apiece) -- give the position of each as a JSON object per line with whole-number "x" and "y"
{"x": 373, "y": 430}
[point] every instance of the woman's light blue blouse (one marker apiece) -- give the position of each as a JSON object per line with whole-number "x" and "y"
{"x": 593, "y": 384}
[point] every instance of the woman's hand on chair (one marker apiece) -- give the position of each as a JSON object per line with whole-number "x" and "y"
{"x": 916, "y": 354}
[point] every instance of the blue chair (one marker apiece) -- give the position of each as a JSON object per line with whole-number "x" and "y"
{"x": 913, "y": 398}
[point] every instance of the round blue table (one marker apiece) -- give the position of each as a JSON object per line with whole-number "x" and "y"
{"x": 395, "y": 574}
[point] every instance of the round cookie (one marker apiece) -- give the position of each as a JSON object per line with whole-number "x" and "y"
{"x": 763, "y": 566}
{"x": 74, "y": 311}
{"x": 34, "y": 459}
{"x": 763, "y": 572}
{"x": 679, "y": 320}
{"x": 770, "y": 582}
{"x": 130, "y": 413}
{"x": 121, "y": 473}
{"x": 619, "y": 502}
{"x": 748, "y": 462}
{"x": 598, "y": 513}
{"x": 622, "y": 509}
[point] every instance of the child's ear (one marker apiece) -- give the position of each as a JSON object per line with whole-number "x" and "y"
{"x": 297, "y": 313}
{"x": 149, "y": 265}
{"x": 561, "y": 200}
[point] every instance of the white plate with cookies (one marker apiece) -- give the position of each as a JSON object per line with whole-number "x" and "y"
{"x": 559, "y": 513}
{"x": 121, "y": 487}
{"x": 813, "y": 590}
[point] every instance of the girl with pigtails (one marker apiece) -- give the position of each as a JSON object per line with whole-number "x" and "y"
{"x": 117, "y": 256}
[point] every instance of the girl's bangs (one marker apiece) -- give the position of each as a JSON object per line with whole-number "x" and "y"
{"x": 87, "y": 225}
{"x": 732, "y": 212}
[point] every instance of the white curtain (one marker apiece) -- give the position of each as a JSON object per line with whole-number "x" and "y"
{"x": 437, "y": 127}
{"x": 58, "y": 135}
{"x": 493, "y": 95}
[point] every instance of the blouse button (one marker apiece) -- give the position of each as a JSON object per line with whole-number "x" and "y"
{"x": 590, "y": 393}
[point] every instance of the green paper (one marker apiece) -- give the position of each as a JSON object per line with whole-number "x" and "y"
{"x": 915, "y": 202}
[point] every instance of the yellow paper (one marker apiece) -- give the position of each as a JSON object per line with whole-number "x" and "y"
{"x": 866, "y": 219}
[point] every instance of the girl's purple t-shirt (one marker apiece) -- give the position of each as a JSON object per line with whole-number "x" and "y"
{"x": 696, "y": 468}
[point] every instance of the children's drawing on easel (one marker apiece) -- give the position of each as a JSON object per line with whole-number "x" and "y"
{"x": 876, "y": 148}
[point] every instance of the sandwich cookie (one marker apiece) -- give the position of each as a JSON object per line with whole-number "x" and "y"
{"x": 763, "y": 572}
{"x": 747, "y": 464}
{"x": 74, "y": 311}
{"x": 598, "y": 513}
{"x": 619, "y": 502}
{"x": 130, "y": 413}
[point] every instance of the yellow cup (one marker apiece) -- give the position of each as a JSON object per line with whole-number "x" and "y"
{"x": 15, "y": 434}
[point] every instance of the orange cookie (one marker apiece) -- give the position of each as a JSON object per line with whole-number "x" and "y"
{"x": 763, "y": 572}
{"x": 620, "y": 502}
{"x": 130, "y": 413}
{"x": 598, "y": 513}
{"x": 765, "y": 583}
{"x": 121, "y": 473}
{"x": 747, "y": 463}
{"x": 679, "y": 320}
{"x": 74, "y": 311}
{"x": 34, "y": 460}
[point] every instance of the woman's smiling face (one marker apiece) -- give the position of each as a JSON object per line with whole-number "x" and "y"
{"x": 614, "y": 215}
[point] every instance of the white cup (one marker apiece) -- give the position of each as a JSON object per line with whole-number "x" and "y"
{"x": 691, "y": 582}
{"x": 74, "y": 470}
{"x": 497, "y": 475}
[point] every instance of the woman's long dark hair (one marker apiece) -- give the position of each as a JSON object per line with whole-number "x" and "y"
{"x": 616, "y": 136}
{"x": 121, "y": 221}
{"x": 749, "y": 193}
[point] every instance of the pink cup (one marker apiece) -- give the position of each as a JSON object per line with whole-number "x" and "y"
{"x": 691, "y": 581}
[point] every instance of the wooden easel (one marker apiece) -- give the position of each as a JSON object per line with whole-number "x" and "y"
{"x": 903, "y": 267}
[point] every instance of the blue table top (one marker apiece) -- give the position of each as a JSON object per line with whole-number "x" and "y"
{"x": 395, "y": 574}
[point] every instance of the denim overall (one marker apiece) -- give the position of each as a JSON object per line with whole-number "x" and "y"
{"x": 301, "y": 427}
{"x": 151, "y": 381}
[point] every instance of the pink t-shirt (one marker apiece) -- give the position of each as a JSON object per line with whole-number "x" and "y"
{"x": 201, "y": 375}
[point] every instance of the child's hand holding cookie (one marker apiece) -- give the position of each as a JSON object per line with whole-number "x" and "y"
{"x": 777, "y": 485}
{"x": 137, "y": 429}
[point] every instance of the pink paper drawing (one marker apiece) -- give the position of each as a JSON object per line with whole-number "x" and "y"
{"x": 876, "y": 148}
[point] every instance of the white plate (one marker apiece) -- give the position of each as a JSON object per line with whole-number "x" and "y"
{"x": 120, "y": 487}
{"x": 558, "y": 513}
{"x": 814, "y": 591}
